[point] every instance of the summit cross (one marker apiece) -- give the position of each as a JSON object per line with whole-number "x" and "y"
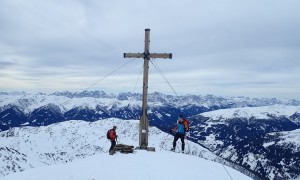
{"x": 144, "y": 122}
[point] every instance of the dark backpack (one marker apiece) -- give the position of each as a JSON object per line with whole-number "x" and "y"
{"x": 108, "y": 134}
{"x": 186, "y": 124}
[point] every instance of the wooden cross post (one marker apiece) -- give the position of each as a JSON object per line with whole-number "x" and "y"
{"x": 144, "y": 123}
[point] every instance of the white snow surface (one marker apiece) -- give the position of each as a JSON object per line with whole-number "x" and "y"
{"x": 263, "y": 112}
{"x": 140, "y": 165}
{"x": 79, "y": 150}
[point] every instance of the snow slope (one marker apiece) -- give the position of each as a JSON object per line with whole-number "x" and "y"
{"x": 140, "y": 165}
{"x": 264, "y": 139}
{"x": 285, "y": 138}
{"x": 67, "y": 145}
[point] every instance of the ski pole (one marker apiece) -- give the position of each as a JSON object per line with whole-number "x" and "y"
{"x": 187, "y": 142}
{"x": 164, "y": 141}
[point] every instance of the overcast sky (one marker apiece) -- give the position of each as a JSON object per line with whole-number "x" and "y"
{"x": 221, "y": 47}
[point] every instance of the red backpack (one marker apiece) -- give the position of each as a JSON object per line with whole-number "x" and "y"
{"x": 186, "y": 124}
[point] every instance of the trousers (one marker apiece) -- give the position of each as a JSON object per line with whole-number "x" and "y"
{"x": 177, "y": 136}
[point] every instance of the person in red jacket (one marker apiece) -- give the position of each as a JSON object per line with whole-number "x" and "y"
{"x": 113, "y": 136}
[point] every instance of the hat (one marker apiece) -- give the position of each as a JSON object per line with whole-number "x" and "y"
{"x": 114, "y": 127}
{"x": 181, "y": 116}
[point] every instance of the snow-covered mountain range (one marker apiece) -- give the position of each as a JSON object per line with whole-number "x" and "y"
{"x": 264, "y": 139}
{"x": 66, "y": 142}
{"x": 66, "y": 101}
{"x": 19, "y": 108}
{"x": 246, "y": 131}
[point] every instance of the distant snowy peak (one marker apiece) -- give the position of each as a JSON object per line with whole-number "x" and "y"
{"x": 199, "y": 100}
{"x": 95, "y": 94}
{"x": 129, "y": 102}
{"x": 264, "y": 112}
{"x": 13, "y": 93}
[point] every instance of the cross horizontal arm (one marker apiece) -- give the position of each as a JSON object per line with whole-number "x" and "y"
{"x": 134, "y": 55}
{"x": 151, "y": 55}
{"x": 160, "y": 55}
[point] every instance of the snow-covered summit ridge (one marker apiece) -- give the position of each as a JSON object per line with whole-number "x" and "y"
{"x": 30, "y": 147}
{"x": 264, "y": 112}
{"x": 140, "y": 165}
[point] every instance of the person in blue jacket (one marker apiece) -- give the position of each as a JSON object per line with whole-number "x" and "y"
{"x": 180, "y": 130}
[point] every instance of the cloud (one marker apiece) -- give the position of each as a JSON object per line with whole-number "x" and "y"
{"x": 227, "y": 47}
